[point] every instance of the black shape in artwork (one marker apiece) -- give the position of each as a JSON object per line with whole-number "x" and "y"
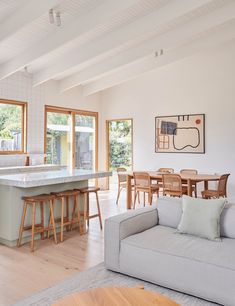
{"x": 168, "y": 128}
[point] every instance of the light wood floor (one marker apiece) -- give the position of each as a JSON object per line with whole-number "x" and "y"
{"x": 23, "y": 273}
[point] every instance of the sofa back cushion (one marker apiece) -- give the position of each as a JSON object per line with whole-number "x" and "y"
{"x": 170, "y": 211}
{"x": 227, "y": 221}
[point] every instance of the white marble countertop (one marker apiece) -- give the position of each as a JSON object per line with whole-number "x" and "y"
{"x": 44, "y": 178}
{"x": 20, "y": 169}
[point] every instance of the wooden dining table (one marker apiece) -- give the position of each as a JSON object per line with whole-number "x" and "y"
{"x": 190, "y": 179}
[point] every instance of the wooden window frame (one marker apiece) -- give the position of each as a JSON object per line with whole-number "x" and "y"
{"x": 107, "y": 145}
{"x": 73, "y": 113}
{"x": 24, "y": 106}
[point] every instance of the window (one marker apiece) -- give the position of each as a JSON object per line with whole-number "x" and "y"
{"x": 12, "y": 127}
{"x": 71, "y": 137}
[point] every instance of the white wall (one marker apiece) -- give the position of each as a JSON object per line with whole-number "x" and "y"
{"x": 200, "y": 84}
{"x": 19, "y": 87}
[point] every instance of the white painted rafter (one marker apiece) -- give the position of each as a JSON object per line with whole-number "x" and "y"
{"x": 65, "y": 34}
{"x": 168, "y": 40}
{"x": 141, "y": 27}
{"x": 222, "y": 34}
{"x": 24, "y": 15}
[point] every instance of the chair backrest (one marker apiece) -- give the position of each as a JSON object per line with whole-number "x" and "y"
{"x": 142, "y": 179}
{"x": 166, "y": 170}
{"x": 121, "y": 177}
{"x": 172, "y": 182}
{"x": 222, "y": 186}
{"x": 189, "y": 171}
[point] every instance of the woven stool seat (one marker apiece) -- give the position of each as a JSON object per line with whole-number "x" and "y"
{"x": 66, "y": 193}
{"x": 88, "y": 189}
{"x": 39, "y": 198}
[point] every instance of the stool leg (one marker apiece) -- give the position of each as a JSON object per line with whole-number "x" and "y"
{"x": 52, "y": 219}
{"x": 79, "y": 216}
{"x": 62, "y": 220}
{"x": 73, "y": 212}
{"x": 42, "y": 218}
{"x": 88, "y": 210}
{"x": 67, "y": 213}
{"x": 98, "y": 207}
{"x": 49, "y": 224}
{"x": 22, "y": 224}
{"x": 84, "y": 229}
{"x": 33, "y": 225}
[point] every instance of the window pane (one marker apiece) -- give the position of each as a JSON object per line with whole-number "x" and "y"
{"x": 11, "y": 127}
{"x": 58, "y": 138}
{"x": 85, "y": 142}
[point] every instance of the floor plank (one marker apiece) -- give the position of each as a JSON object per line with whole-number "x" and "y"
{"x": 23, "y": 273}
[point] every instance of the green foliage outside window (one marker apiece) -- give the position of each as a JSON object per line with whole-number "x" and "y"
{"x": 120, "y": 146}
{"x": 10, "y": 120}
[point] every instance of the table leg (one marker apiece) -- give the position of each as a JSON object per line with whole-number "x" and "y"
{"x": 205, "y": 185}
{"x": 189, "y": 183}
{"x": 129, "y": 192}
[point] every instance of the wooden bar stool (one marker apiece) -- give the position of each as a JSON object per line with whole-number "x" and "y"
{"x": 40, "y": 227}
{"x": 86, "y": 192}
{"x": 65, "y": 220}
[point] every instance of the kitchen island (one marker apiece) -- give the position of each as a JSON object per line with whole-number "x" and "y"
{"x": 14, "y": 186}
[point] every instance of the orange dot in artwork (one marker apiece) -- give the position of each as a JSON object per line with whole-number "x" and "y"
{"x": 198, "y": 121}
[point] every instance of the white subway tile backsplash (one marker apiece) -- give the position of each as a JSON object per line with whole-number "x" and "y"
{"x": 19, "y": 87}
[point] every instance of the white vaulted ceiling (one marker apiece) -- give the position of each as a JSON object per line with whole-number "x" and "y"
{"x": 101, "y": 43}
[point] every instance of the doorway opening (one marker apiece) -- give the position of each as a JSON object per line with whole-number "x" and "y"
{"x": 119, "y": 146}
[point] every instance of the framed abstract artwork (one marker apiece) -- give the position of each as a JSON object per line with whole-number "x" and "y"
{"x": 180, "y": 134}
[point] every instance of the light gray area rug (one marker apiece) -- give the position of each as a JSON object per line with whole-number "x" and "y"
{"x": 98, "y": 276}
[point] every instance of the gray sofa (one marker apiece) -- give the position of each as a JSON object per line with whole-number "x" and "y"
{"x": 143, "y": 243}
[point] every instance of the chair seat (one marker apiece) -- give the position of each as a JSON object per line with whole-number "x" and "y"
{"x": 176, "y": 192}
{"x": 66, "y": 193}
{"x": 211, "y": 193}
{"x": 39, "y": 198}
{"x": 88, "y": 189}
{"x": 154, "y": 188}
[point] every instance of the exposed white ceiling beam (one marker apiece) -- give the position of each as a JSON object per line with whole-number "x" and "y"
{"x": 65, "y": 34}
{"x": 24, "y": 15}
{"x": 221, "y": 35}
{"x": 127, "y": 34}
{"x": 169, "y": 40}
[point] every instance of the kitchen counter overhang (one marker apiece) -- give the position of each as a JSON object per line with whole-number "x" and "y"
{"x": 45, "y": 178}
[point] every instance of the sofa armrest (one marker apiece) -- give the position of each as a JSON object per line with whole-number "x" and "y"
{"x": 121, "y": 226}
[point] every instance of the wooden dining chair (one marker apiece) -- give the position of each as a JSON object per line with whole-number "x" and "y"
{"x": 172, "y": 185}
{"x": 194, "y": 184}
{"x": 122, "y": 182}
{"x": 160, "y": 183}
{"x": 142, "y": 183}
{"x": 166, "y": 170}
{"x": 221, "y": 191}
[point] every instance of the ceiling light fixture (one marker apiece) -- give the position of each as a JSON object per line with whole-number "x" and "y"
{"x": 159, "y": 52}
{"x": 51, "y": 16}
{"x": 58, "y": 19}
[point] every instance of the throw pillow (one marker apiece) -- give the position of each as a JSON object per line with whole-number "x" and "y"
{"x": 201, "y": 217}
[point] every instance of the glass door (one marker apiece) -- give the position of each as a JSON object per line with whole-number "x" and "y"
{"x": 58, "y": 138}
{"x": 85, "y": 142}
{"x": 71, "y": 138}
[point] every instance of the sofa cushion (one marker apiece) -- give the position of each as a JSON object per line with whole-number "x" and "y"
{"x": 227, "y": 222}
{"x": 186, "y": 263}
{"x": 170, "y": 211}
{"x": 166, "y": 240}
{"x": 201, "y": 217}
